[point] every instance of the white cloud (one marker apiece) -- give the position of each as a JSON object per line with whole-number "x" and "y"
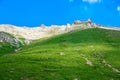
{"x": 92, "y": 1}
{"x": 118, "y": 8}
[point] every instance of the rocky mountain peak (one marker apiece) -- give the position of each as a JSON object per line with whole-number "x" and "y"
{"x": 47, "y": 31}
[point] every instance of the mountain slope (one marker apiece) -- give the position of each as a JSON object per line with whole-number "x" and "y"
{"x": 91, "y": 54}
{"x": 8, "y": 43}
{"x": 43, "y": 31}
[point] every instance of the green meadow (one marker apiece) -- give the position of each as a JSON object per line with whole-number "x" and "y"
{"x": 90, "y": 54}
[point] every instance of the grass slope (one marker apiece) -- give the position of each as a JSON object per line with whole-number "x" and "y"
{"x": 6, "y": 48}
{"x": 64, "y": 57}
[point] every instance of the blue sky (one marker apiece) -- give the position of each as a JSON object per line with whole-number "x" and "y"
{"x": 36, "y": 12}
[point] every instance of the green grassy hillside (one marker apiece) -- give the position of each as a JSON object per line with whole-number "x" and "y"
{"x": 91, "y": 54}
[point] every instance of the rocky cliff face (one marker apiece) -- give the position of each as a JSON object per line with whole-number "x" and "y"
{"x": 30, "y": 33}
{"x": 8, "y": 38}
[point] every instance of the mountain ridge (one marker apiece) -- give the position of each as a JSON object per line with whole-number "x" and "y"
{"x": 47, "y": 31}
